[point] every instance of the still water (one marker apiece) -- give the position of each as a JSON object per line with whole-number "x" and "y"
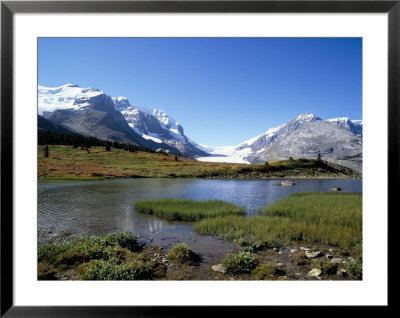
{"x": 100, "y": 207}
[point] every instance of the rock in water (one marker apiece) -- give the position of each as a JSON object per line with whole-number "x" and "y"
{"x": 287, "y": 183}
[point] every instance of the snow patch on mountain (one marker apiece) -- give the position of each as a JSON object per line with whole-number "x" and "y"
{"x": 170, "y": 124}
{"x": 150, "y": 136}
{"x": 67, "y": 96}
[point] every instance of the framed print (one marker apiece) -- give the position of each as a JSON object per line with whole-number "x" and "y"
{"x": 163, "y": 155}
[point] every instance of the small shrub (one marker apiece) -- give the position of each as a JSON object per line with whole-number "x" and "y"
{"x": 111, "y": 270}
{"x": 327, "y": 267}
{"x": 267, "y": 271}
{"x": 241, "y": 262}
{"x": 300, "y": 259}
{"x": 124, "y": 240}
{"x": 242, "y": 169}
{"x": 354, "y": 270}
{"x": 249, "y": 246}
{"x": 183, "y": 254}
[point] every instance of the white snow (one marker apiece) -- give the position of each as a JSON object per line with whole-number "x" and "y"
{"x": 339, "y": 120}
{"x": 152, "y": 137}
{"x": 67, "y": 96}
{"x": 168, "y": 123}
{"x": 226, "y": 154}
{"x": 307, "y": 116}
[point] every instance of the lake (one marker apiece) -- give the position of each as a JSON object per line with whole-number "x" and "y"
{"x": 100, "y": 207}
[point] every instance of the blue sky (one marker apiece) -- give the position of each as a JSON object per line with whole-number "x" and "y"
{"x": 223, "y": 91}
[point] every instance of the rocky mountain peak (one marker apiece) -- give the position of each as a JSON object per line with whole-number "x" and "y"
{"x": 121, "y": 103}
{"x": 307, "y": 117}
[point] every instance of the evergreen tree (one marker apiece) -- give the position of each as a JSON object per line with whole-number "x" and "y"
{"x": 319, "y": 157}
{"x": 46, "y": 151}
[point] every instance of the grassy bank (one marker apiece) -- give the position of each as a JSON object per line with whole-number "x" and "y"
{"x": 187, "y": 210}
{"x": 329, "y": 218}
{"x": 96, "y": 162}
{"x": 116, "y": 256}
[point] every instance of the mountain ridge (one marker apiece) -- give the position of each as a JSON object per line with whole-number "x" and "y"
{"x": 90, "y": 111}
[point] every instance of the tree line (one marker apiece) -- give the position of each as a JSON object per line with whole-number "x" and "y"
{"x": 49, "y": 137}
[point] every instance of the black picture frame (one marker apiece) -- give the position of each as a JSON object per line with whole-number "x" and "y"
{"x": 8, "y": 8}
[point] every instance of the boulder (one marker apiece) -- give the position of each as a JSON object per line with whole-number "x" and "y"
{"x": 336, "y": 260}
{"x": 336, "y": 189}
{"x": 315, "y": 272}
{"x": 342, "y": 272}
{"x": 310, "y": 255}
{"x": 219, "y": 268}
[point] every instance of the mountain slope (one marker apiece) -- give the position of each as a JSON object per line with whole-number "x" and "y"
{"x": 90, "y": 112}
{"x": 157, "y": 126}
{"x": 45, "y": 124}
{"x": 337, "y": 140}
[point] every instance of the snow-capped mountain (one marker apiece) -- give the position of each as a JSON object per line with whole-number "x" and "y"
{"x": 338, "y": 140}
{"x": 91, "y": 112}
{"x": 157, "y": 126}
{"x": 68, "y": 96}
{"x": 355, "y": 126}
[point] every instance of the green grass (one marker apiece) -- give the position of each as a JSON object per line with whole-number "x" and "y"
{"x": 187, "y": 210}
{"x": 66, "y": 163}
{"x": 329, "y": 218}
{"x": 75, "y": 178}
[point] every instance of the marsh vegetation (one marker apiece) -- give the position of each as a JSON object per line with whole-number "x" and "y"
{"x": 187, "y": 210}
{"x": 275, "y": 244}
{"x": 329, "y": 218}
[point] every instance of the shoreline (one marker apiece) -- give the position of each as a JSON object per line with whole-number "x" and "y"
{"x": 281, "y": 262}
{"x": 97, "y": 163}
{"x": 113, "y": 177}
